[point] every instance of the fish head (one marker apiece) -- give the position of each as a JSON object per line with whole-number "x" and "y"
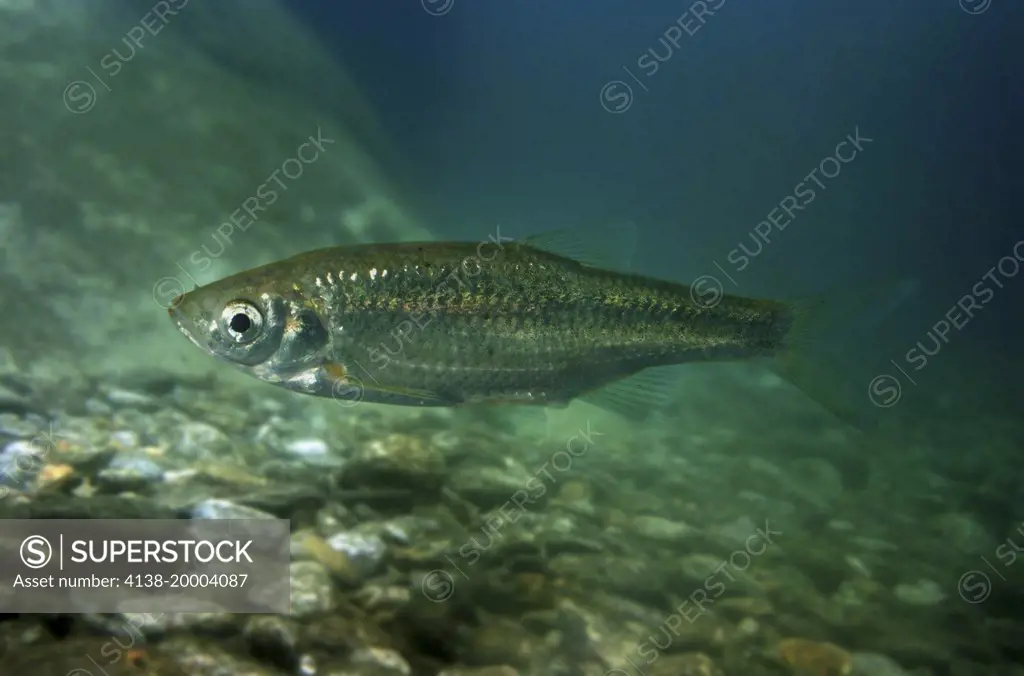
{"x": 261, "y": 325}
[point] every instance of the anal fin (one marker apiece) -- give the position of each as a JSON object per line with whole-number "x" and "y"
{"x": 637, "y": 396}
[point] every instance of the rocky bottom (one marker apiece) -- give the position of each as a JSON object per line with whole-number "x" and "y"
{"x": 438, "y": 543}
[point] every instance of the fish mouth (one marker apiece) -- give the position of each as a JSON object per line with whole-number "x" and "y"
{"x": 185, "y": 326}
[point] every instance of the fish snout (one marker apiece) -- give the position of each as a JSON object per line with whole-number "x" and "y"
{"x": 175, "y": 304}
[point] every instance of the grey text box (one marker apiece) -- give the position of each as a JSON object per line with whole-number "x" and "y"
{"x": 144, "y": 565}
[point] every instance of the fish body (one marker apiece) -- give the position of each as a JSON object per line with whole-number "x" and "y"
{"x": 447, "y": 324}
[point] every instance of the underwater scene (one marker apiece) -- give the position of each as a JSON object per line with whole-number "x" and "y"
{"x": 450, "y": 338}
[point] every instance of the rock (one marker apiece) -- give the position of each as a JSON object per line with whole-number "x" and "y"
{"x": 921, "y": 593}
{"x": 13, "y": 402}
{"x": 284, "y": 501}
{"x": 307, "y": 545}
{"x": 125, "y": 440}
{"x": 129, "y": 472}
{"x": 616, "y": 641}
{"x": 874, "y": 544}
{"x": 273, "y": 639}
{"x": 18, "y": 427}
{"x": 501, "y": 641}
{"x": 871, "y": 664}
{"x": 56, "y": 477}
{"x": 378, "y": 599}
{"x": 689, "y": 664}
{"x": 60, "y": 506}
{"x": 20, "y": 464}
{"x": 314, "y": 452}
{"x": 639, "y": 577}
{"x": 225, "y": 509}
{"x": 311, "y": 590}
{"x": 816, "y": 480}
{"x": 745, "y": 606}
{"x": 201, "y": 441}
{"x": 102, "y": 655}
{"x": 490, "y": 487}
{"x": 748, "y": 626}
{"x": 160, "y": 383}
{"x": 841, "y": 525}
{"x": 97, "y": 407}
{"x": 396, "y": 461}
{"x": 380, "y": 662}
{"x": 230, "y": 474}
{"x": 815, "y": 657}
{"x": 365, "y": 550}
{"x": 701, "y": 569}
{"x": 965, "y": 533}
{"x": 164, "y": 622}
{"x": 576, "y": 496}
{"x": 120, "y": 398}
{"x": 484, "y": 671}
{"x": 202, "y": 657}
{"x": 662, "y": 529}
{"x": 738, "y": 532}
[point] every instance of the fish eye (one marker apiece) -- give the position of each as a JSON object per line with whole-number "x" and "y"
{"x": 243, "y": 320}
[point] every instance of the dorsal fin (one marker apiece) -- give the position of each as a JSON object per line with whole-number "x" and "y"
{"x": 612, "y": 250}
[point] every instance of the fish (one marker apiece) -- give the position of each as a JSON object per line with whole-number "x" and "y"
{"x": 537, "y": 321}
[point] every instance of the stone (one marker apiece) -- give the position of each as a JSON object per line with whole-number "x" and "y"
{"x": 311, "y": 590}
{"x": 662, "y": 529}
{"x": 202, "y": 441}
{"x": 920, "y": 593}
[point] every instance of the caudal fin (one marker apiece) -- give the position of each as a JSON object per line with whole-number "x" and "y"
{"x": 823, "y": 330}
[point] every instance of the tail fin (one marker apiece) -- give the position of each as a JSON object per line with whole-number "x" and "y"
{"x": 810, "y": 357}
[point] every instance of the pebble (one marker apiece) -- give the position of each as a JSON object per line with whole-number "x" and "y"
{"x": 129, "y": 399}
{"x": 660, "y": 528}
{"x": 128, "y": 472}
{"x": 13, "y": 402}
{"x": 201, "y": 441}
{"x": 98, "y": 407}
{"x": 490, "y": 487}
{"x": 872, "y": 664}
{"x": 273, "y": 638}
{"x": 738, "y": 532}
{"x": 366, "y": 551}
{"x": 19, "y": 427}
{"x": 125, "y": 440}
{"x": 921, "y": 593}
{"x": 314, "y": 452}
{"x": 307, "y": 545}
{"x": 965, "y": 533}
{"x": 698, "y": 568}
{"x": 165, "y": 621}
{"x": 817, "y": 480}
{"x": 841, "y": 525}
{"x": 198, "y": 657}
{"x": 214, "y": 508}
{"x": 381, "y": 661}
{"x": 20, "y": 463}
{"x": 396, "y": 460}
{"x": 689, "y": 664}
{"x": 311, "y": 589}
